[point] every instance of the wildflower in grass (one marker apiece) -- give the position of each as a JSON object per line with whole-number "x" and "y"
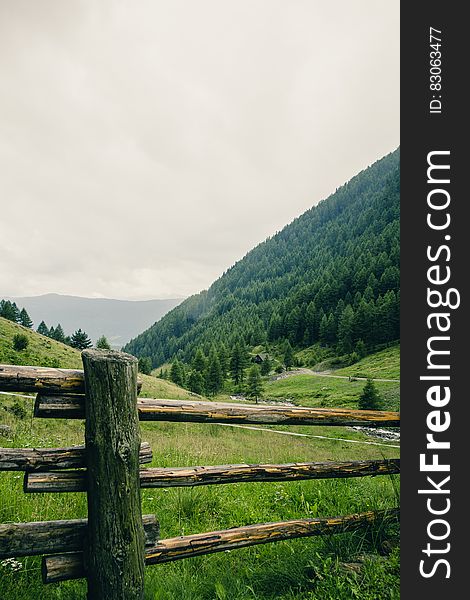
{"x": 11, "y": 564}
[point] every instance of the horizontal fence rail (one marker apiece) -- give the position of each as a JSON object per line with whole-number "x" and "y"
{"x": 149, "y": 409}
{"x": 75, "y": 481}
{"x": 46, "y": 537}
{"x": 43, "y": 379}
{"x": 43, "y": 459}
{"x": 111, "y": 547}
{"x": 63, "y": 567}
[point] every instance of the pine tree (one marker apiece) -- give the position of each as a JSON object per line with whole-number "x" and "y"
{"x": 223, "y": 359}
{"x": 275, "y": 329}
{"x": 289, "y": 357}
{"x": 345, "y": 330}
{"x": 238, "y": 362}
{"x": 58, "y": 333}
{"x": 43, "y": 329}
{"x": 254, "y": 384}
{"x": 25, "y": 319}
{"x": 369, "y": 399}
{"x": 214, "y": 379}
{"x": 311, "y": 329}
{"x": 16, "y": 313}
{"x": 9, "y": 310}
{"x": 177, "y": 373}
{"x": 145, "y": 365}
{"x": 266, "y": 366}
{"x": 196, "y": 382}
{"x": 80, "y": 340}
{"x": 199, "y": 361}
{"x": 103, "y": 343}
{"x": 360, "y": 349}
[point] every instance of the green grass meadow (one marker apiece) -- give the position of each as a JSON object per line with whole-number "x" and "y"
{"x": 363, "y": 564}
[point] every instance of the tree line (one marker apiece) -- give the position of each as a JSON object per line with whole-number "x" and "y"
{"x": 79, "y": 339}
{"x": 207, "y": 374}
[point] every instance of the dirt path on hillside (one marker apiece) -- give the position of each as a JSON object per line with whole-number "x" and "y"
{"x": 304, "y": 371}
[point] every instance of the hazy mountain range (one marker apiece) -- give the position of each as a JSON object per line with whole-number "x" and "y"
{"x": 118, "y": 320}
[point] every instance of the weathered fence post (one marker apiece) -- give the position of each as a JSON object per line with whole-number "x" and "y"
{"x": 114, "y": 553}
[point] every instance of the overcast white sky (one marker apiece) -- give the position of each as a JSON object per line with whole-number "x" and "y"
{"x": 146, "y": 146}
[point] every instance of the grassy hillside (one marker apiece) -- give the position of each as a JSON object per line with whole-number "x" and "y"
{"x": 44, "y": 352}
{"x": 313, "y": 390}
{"x": 41, "y": 350}
{"x": 384, "y": 365}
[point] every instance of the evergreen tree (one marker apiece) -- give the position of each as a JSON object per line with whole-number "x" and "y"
{"x": 199, "y": 361}
{"x": 51, "y": 333}
{"x": 80, "y": 340}
{"x": 163, "y": 373}
{"x": 369, "y": 399}
{"x": 196, "y": 382}
{"x": 58, "y": 333}
{"x": 311, "y": 326}
{"x": 360, "y": 349}
{"x": 16, "y": 313}
{"x": 364, "y": 322}
{"x": 289, "y": 357}
{"x": 345, "y": 330}
{"x": 177, "y": 373}
{"x": 9, "y": 310}
{"x": 145, "y": 365}
{"x": 25, "y": 319}
{"x": 254, "y": 384}
{"x": 43, "y": 329}
{"x": 266, "y": 366}
{"x": 103, "y": 343}
{"x": 214, "y": 379}
{"x": 323, "y": 331}
{"x": 238, "y": 362}
{"x": 224, "y": 359}
{"x": 275, "y": 329}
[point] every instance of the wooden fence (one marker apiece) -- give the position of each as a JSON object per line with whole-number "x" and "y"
{"x": 112, "y": 546}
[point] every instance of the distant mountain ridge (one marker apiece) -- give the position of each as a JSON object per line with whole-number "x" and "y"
{"x": 118, "y": 320}
{"x": 330, "y": 277}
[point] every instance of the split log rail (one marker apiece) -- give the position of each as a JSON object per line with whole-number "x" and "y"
{"x": 111, "y": 548}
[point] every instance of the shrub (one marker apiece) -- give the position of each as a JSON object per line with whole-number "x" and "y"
{"x": 20, "y": 342}
{"x": 18, "y": 410}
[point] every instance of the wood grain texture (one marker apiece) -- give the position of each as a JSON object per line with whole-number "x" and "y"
{"x": 114, "y": 554}
{"x": 44, "y": 459}
{"x": 75, "y": 481}
{"x": 59, "y": 406}
{"x": 49, "y": 380}
{"x": 60, "y": 568}
{"x": 207, "y": 412}
{"x": 45, "y": 379}
{"x": 44, "y": 537}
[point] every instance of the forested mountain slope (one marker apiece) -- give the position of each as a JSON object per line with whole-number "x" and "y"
{"x": 331, "y": 276}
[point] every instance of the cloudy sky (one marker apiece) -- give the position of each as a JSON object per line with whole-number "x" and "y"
{"x": 146, "y": 146}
